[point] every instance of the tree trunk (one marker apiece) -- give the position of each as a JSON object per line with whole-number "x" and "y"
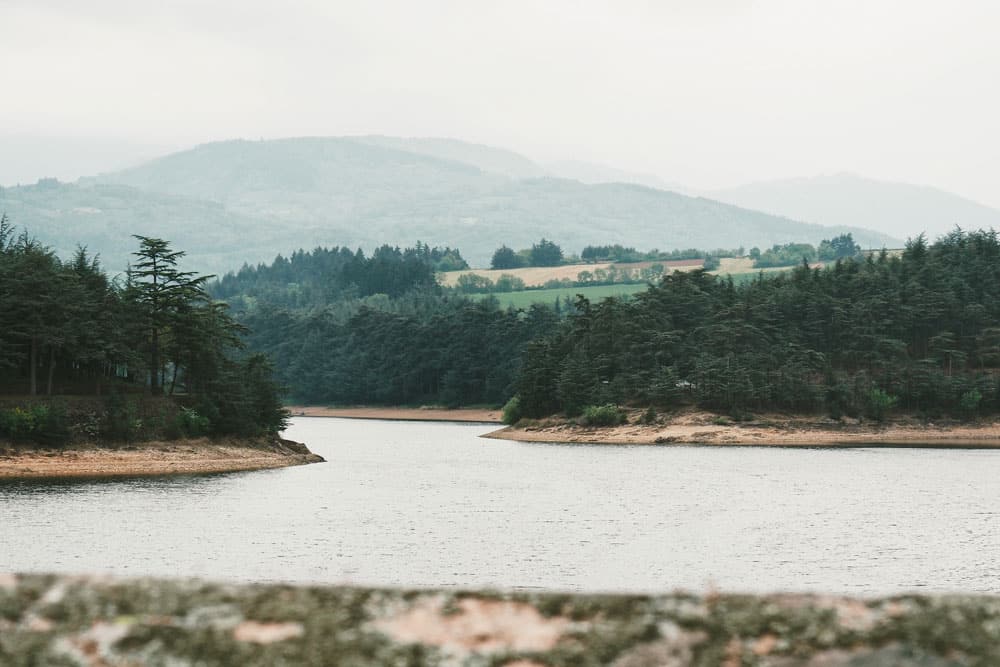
{"x": 34, "y": 365}
{"x": 52, "y": 368}
{"x": 173, "y": 380}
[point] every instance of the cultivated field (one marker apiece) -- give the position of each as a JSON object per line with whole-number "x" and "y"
{"x": 539, "y": 275}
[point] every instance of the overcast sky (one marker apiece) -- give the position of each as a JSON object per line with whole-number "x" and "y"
{"x": 702, "y": 92}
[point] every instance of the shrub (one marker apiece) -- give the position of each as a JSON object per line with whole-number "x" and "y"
{"x": 879, "y": 403}
{"x": 190, "y": 424}
{"x": 121, "y": 419}
{"x": 649, "y": 416}
{"x": 42, "y": 424}
{"x": 603, "y": 415}
{"x": 512, "y": 411}
{"x": 969, "y": 402}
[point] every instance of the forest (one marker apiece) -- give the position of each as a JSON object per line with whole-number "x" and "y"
{"x": 345, "y": 328}
{"x": 66, "y": 328}
{"x": 918, "y": 332}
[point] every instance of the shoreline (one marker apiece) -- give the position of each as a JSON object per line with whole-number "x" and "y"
{"x": 475, "y": 415}
{"x": 157, "y": 458}
{"x": 699, "y": 428}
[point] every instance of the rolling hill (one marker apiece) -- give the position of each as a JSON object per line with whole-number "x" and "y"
{"x": 232, "y": 202}
{"x": 897, "y": 209}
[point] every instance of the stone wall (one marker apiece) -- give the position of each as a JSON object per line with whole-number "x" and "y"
{"x": 56, "y": 621}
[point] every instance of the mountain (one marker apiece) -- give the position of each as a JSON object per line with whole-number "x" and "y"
{"x": 232, "y": 202}
{"x": 593, "y": 173}
{"x": 896, "y": 209}
{"x": 486, "y": 158}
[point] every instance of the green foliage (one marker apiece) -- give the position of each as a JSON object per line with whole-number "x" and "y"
{"x": 512, "y": 411}
{"x": 919, "y": 328}
{"x": 473, "y": 283}
{"x": 508, "y": 283}
{"x": 65, "y": 327}
{"x": 328, "y": 275}
{"x": 880, "y": 403}
{"x": 788, "y": 254}
{"x": 839, "y": 247}
{"x": 603, "y": 415}
{"x": 969, "y": 402}
{"x": 526, "y": 298}
{"x": 506, "y": 258}
{"x": 190, "y": 424}
{"x": 546, "y": 253}
{"x": 415, "y": 350}
{"x": 121, "y": 419}
{"x": 38, "y": 423}
{"x": 618, "y": 253}
{"x": 649, "y": 416}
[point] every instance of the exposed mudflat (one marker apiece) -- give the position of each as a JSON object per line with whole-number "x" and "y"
{"x": 703, "y": 428}
{"x": 154, "y": 458}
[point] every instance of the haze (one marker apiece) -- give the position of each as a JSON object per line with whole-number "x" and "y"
{"x": 707, "y": 94}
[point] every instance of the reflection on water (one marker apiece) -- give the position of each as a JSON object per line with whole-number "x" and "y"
{"x": 418, "y": 504}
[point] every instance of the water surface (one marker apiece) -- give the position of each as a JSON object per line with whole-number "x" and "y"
{"x": 425, "y": 504}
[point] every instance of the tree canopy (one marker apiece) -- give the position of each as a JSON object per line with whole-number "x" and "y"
{"x": 918, "y": 331}
{"x": 158, "y": 331}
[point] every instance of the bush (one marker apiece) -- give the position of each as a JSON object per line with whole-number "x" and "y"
{"x": 603, "y": 415}
{"x": 969, "y": 403}
{"x": 190, "y": 424}
{"x": 649, "y": 416}
{"x": 879, "y": 403}
{"x": 512, "y": 411}
{"x": 42, "y": 424}
{"x": 121, "y": 419}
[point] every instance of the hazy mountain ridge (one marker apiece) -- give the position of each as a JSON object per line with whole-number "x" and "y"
{"x": 897, "y": 209}
{"x": 594, "y": 173}
{"x": 232, "y": 202}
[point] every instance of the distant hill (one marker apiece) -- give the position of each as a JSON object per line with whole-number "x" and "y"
{"x": 486, "y": 158}
{"x": 897, "y": 209}
{"x": 593, "y": 173}
{"x": 232, "y": 202}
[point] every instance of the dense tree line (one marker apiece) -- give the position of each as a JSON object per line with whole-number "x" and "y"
{"x": 326, "y": 275}
{"x": 920, "y": 331}
{"x": 67, "y": 328}
{"x": 543, "y": 253}
{"x": 790, "y": 254}
{"x": 420, "y": 348}
{"x": 621, "y": 254}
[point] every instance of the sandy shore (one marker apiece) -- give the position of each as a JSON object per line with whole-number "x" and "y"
{"x": 406, "y": 414}
{"x": 774, "y": 430}
{"x": 154, "y": 458}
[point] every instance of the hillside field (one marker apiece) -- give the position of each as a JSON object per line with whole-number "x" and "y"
{"x": 535, "y": 276}
{"x": 740, "y": 268}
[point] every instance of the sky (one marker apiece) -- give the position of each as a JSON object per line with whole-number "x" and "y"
{"x": 707, "y": 93}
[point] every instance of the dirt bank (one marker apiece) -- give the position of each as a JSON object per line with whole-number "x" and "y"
{"x": 155, "y": 458}
{"x": 406, "y": 414}
{"x": 703, "y": 428}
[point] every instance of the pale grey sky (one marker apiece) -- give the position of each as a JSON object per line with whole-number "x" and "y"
{"x": 703, "y": 92}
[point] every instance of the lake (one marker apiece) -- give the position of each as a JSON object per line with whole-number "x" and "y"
{"x": 432, "y": 504}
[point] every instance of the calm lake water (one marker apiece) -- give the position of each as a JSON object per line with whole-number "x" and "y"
{"x": 424, "y": 504}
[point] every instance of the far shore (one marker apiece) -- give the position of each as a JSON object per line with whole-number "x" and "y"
{"x": 701, "y": 428}
{"x": 177, "y": 457}
{"x": 403, "y": 414}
